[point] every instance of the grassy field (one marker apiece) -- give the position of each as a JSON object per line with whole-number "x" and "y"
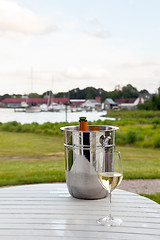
{"x": 27, "y": 158}
{"x": 139, "y": 115}
{"x": 31, "y": 158}
{"x": 140, "y": 163}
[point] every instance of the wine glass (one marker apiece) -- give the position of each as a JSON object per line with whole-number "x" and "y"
{"x": 110, "y": 174}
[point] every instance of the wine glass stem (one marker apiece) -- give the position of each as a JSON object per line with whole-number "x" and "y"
{"x": 109, "y": 214}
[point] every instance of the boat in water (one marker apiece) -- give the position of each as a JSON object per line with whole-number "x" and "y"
{"x": 33, "y": 109}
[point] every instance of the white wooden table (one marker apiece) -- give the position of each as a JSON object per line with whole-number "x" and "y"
{"x": 47, "y": 211}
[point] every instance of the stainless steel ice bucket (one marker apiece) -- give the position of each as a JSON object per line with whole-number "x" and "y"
{"x": 82, "y": 149}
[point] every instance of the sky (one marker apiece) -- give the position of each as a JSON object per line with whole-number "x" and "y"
{"x": 59, "y": 45}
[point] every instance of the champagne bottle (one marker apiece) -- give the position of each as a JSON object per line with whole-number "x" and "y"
{"x": 85, "y": 139}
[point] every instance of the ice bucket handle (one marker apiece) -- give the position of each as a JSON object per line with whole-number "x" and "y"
{"x": 105, "y": 141}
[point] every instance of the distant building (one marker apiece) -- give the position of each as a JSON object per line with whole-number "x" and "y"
{"x": 60, "y": 100}
{"x": 76, "y": 102}
{"x": 129, "y": 103}
{"x": 110, "y": 104}
{"x": 91, "y": 105}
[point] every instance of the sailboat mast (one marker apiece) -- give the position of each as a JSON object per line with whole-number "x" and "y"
{"x": 31, "y": 80}
{"x": 52, "y": 90}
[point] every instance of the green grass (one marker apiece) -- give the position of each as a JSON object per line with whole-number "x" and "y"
{"x": 140, "y": 163}
{"x": 135, "y": 114}
{"x": 155, "y": 197}
{"x": 34, "y": 158}
{"x": 29, "y": 144}
{"x": 31, "y": 158}
{"x": 27, "y": 171}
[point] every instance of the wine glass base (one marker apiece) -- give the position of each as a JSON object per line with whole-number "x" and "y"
{"x": 109, "y": 221}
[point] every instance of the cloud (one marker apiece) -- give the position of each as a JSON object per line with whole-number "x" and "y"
{"x": 17, "y": 73}
{"x": 94, "y": 28}
{"x": 16, "y": 19}
{"x": 94, "y": 21}
{"x": 99, "y": 33}
{"x": 143, "y": 63}
{"x": 83, "y": 74}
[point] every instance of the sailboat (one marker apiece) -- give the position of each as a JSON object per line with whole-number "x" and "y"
{"x": 51, "y": 105}
{"x": 32, "y": 108}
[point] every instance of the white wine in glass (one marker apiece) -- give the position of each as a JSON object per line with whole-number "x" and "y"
{"x": 110, "y": 174}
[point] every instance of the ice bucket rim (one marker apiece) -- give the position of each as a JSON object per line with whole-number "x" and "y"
{"x": 104, "y": 128}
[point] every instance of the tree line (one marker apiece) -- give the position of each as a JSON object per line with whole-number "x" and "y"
{"x": 127, "y": 91}
{"x": 152, "y": 101}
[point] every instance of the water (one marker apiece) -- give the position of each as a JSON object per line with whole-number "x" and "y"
{"x": 7, "y": 115}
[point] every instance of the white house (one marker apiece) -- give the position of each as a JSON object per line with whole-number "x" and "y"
{"x": 92, "y": 104}
{"x": 130, "y": 103}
